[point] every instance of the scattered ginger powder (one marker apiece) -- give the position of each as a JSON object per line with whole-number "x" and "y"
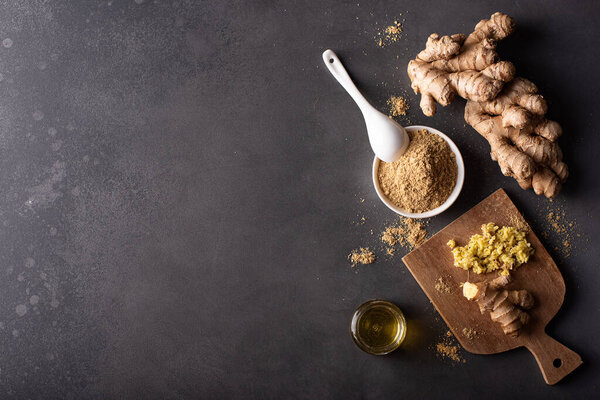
{"x": 442, "y": 286}
{"x": 411, "y": 233}
{"x": 398, "y": 106}
{"x": 361, "y": 256}
{"x": 390, "y": 34}
{"x": 503, "y": 249}
{"x": 447, "y": 348}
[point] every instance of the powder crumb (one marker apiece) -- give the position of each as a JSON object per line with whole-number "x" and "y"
{"x": 469, "y": 333}
{"x": 446, "y": 348}
{"x": 362, "y": 255}
{"x": 448, "y": 351}
{"x": 408, "y": 232}
{"x": 441, "y": 286}
{"x": 415, "y": 232}
{"x": 565, "y": 229}
{"x": 398, "y": 106}
{"x": 554, "y": 219}
{"x": 390, "y": 34}
{"x": 390, "y": 251}
{"x": 361, "y": 220}
{"x": 424, "y": 176}
{"x": 392, "y": 235}
{"x": 518, "y": 222}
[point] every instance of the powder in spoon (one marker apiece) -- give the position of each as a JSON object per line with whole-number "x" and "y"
{"x": 423, "y": 177}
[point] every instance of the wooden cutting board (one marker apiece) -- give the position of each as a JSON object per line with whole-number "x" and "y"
{"x": 539, "y": 276}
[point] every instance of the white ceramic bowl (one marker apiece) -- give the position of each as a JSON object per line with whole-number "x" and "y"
{"x": 455, "y": 192}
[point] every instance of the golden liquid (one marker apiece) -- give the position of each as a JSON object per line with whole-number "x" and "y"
{"x": 378, "y": 327}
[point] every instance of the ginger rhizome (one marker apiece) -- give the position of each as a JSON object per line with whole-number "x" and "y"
{"x": 509, "y": 113}
{"x": 506, "y": 307}
{"x": 522, "y": 140}
{"x": 467, "y": 66}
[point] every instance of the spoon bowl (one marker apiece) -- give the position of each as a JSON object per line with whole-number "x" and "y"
{"x": 388, "y": 138}
{"x": 460, "y": 177}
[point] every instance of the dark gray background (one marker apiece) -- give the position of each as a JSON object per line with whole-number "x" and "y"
{"x": 181, "y": 183}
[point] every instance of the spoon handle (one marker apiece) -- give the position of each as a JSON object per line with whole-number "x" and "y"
{"x": 339, "y": 72}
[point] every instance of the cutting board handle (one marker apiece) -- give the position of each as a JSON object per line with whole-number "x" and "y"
{"x": 554, "y": 359}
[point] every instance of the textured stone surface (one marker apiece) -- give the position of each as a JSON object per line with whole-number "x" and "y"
{"x": 181, "y": 182}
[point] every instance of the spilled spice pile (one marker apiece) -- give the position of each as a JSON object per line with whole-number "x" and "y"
{"x": 398, "y": 106}
{"x": 390, "y": 34}
{"x": 519, "y": 223}
{"x": 555, "y": 221}
{"x": 469, "y": 333}
{"x": 423, "y": 177}
{"x": 392, "y": 235}
{"x": 408, "y": 231}
{"x": 364, "y": 255}
{"x": 447, "y": 349}
{"x": 561, "y": 227}
{"x": 441, "y": 286}
{"x": 415, "y": 232}
{"x": 564, "y": 228}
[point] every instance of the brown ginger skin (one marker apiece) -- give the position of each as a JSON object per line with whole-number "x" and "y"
{"x": 510, "y": 115}
{"x": 505, "y": 306}
{"x": 467, "y": 66}
{"x": 522, "y": 140}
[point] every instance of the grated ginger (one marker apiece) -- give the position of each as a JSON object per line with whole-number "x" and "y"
{"x": 497, "y": 248}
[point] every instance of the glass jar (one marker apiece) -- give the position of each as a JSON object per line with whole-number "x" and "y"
{"x": 378, "y": 327}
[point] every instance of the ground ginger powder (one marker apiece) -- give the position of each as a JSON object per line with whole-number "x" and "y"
{"x": 408, "y": 232}
{"x": 423, "y": 177}
{"x": 361, "y": 256}
{"x": 503, "y": 249}
{"x": 398, "y": 106}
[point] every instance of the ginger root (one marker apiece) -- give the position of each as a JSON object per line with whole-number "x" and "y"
{"x": 505, "y": 306}
{"x": 509, "y": 115}
{"x": 467, "y": 66}
{"x": 522, "y": 140}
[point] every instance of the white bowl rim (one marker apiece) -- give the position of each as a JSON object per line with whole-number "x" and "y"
{"x": 460, "y": 178}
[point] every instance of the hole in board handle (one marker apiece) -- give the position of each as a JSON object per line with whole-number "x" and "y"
{"x": 557, "y": 362}
{"x": 331, "y": 60}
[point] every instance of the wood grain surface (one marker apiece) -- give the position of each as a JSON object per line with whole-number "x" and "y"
{"x": 540, "y": 276}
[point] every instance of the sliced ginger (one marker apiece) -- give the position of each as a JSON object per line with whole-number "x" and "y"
{"x": 505, "y": 306}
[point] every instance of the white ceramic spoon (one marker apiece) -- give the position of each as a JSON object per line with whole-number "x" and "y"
{"x": 388, "y": 139}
